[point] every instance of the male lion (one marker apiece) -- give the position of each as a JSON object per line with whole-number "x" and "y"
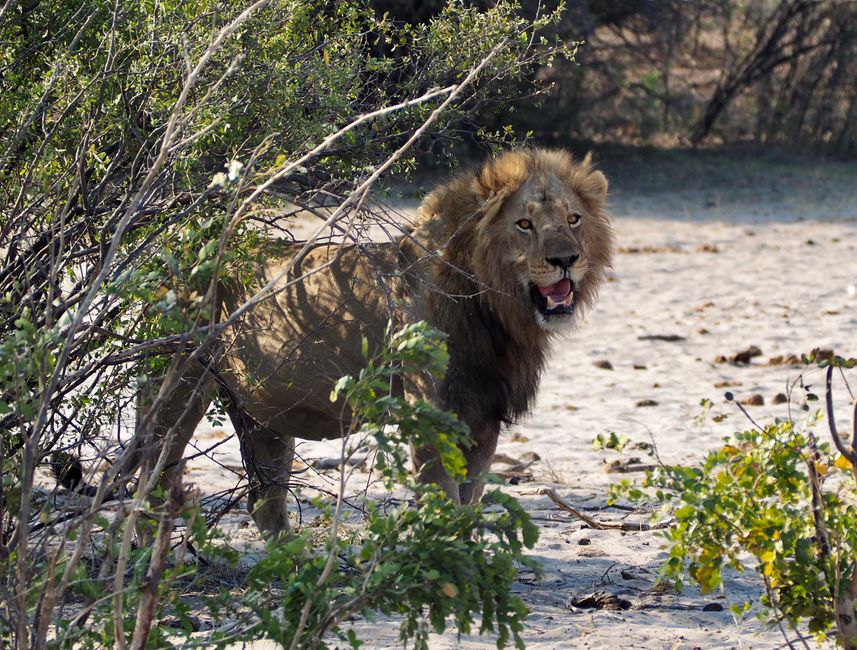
{"x": 502, "y": 259}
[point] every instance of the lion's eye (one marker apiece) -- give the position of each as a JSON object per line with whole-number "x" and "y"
{"x": 574, "y": 220}
{"x": 524, "y": 224}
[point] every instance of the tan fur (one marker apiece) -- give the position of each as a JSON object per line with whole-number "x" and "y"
{"x": 466, "y": 268}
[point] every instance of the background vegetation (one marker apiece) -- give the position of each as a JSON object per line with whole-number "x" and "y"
{"x": 146, "y": 148}
{"x": 674, "y": 73}
{"x": 778, "y": 498}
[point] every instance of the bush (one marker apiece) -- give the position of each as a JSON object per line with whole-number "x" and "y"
{"x": 778, "y": 495}
{"x": 146, "y": 149}
{"x": 427, "y": 563}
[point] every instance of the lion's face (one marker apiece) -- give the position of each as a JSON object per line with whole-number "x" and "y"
{"x": 549, "y": 239}
{"x": 543, "y": 228}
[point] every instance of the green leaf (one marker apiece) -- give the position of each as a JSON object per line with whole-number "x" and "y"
{"x": 684, "y": 512}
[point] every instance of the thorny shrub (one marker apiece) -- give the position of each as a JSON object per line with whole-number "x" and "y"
{"x": 146, "y": 150}
{"x": 775, "y": 498}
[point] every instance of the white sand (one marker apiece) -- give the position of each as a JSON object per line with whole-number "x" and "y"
{"x": 722, "y": 275}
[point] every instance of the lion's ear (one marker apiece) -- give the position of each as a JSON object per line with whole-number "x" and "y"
{"x": 597, "y": 185}
{"x": 494, "y": 202}
{"x": 593, "y": 183}
{"x": 503, "y": 174}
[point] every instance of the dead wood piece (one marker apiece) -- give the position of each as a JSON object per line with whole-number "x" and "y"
{"x": 321, "y": 464}
{"x": 598, "y": 525}
{"x": 598, "y": 600}
{"x": 756, "y": 399}
{"x": 627, "y": 467}
{"x": 632, "y": 250}
{"x": 505, "y": 459}
{"x": 646, "y": 402}
{"x": 671, "y": 338}
{"x": 785, "y": 360}
{"x": 515, "y": 477}
{"x": 517, "y": 466}
{"x": 744, "y": 357}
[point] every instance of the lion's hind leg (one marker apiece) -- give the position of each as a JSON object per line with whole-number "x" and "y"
{"x": 268, "y": 460}
{"x": 166, "y": 421}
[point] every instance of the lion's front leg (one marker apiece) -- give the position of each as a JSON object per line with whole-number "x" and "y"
{"x": 479, "y": 459}
{"x": 429, "y": 469}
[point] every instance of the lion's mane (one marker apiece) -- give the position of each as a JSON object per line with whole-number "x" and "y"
{"x": 497, "y": 350}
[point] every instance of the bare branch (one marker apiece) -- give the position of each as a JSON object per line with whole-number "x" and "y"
{"x": 360, "y": 192}
{"x": 594, "y": 523}
{"x": 850, "y": 454}
{"x": 97, "y": 282}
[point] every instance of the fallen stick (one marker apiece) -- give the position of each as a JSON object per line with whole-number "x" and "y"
{"x": 594, "y": 523}
{"x": 631, "y": 468}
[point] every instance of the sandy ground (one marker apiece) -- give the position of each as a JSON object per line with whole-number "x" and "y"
{"x": 764, "y": 256}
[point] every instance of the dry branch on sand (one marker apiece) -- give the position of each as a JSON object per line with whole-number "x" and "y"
{"x": 594, "y": 523}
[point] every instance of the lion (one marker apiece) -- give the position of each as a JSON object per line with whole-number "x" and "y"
{"x": 504, "y": 259}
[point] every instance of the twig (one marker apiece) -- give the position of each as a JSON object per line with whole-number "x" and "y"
{"x": 360, "y": 192}
{"x": 843, "y": 600}
{"x": 358, "y": 195}
{"x": 778, "y": 617}
{"x": 630, "y": 468}
{"x": 831, "y": 421}
{"x": 593, "y": 523}
{"x": 32, "y": 444}
{"x": 149, "y": 586}
{"x": 731, "y": 398}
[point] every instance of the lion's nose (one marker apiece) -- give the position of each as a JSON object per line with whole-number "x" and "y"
{"x": 562, "y": 262}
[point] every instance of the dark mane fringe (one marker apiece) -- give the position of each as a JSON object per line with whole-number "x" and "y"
{"x": 493, "y": 375}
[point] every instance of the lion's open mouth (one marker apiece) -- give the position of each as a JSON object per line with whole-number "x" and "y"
{"x": 554, "y": 299}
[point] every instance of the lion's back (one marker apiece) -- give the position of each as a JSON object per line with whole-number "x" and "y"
{"x": 284, "y": 354}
